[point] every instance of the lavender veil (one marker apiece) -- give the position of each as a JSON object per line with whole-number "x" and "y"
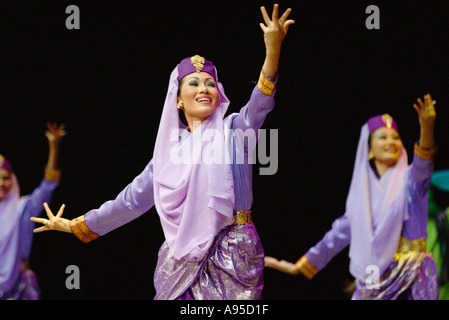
{"x": 194, "y": 193}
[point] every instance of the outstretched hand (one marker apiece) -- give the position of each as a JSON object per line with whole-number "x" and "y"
{"x": 275, "y": 29}
{"x": 426, "y": 111}
{"x": 53, "y": 222}
{"x": 282, "y": 265}
{"x": 55, "y": 133}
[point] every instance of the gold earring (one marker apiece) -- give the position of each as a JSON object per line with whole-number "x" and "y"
{"x": 370, "y": 156}
{"x": 180, "y": 104}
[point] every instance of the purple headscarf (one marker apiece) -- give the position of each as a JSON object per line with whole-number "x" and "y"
{"x": 195, "y": 64}
{"x": 194, "y": 197}
{"x": 5, "y": 164}
{"x": 376, "y": 208}
{"x": 382, "y": 120}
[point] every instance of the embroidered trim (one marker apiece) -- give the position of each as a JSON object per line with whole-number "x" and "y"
{"x": 425, "y": 154}
{"x": 306, "y": 268}
{"x": 52, "y": 174}
{"x": 81, "y": 230}
{"x": 265, "y": 85}
{"x": 409, "y": 248}
{"x": 242, "y": 217}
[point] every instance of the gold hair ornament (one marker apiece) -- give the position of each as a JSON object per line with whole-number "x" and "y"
{"x": 388, "y": 120}
{"x": 198, "y": 62}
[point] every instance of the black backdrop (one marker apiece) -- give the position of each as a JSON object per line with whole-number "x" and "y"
{"x": 107, "y": 82}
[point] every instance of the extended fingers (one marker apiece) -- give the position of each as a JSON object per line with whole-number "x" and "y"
{"x": 40, "y": 220}
{"x": 40, "y": 229}
{"x": 420, "y": 103}
{"x": 285, "y": 15}
{"x": 55, "y": 129}
{"x": 428, "y": 100}
{"x": 275, "y": 14}
{"x": 288, "y": 24}
{"x": 417, "y": 108}
{"x": 265, "y": 15}
{"x": 60, "y": 212}
{"x": 49, "y": 213}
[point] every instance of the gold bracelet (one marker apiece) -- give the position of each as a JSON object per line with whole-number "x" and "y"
{"x": 306, "y": 268}
{"x": 425, "y": 154}
{"x": 81, "y": 230}
{"x": 265, "y": 85}
{"x": 52, "y": 174}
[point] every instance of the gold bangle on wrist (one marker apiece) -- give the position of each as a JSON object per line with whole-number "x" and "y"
{"x": 81, "y": 230}
{"x": 265, "y": 85}
{"x": 306, "y": 268}
{"x": 425, "y": 154}
{"x": 52, "y": 174}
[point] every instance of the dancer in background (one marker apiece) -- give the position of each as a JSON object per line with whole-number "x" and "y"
{"x": 17, "y": 280}
{"x": 438, "y": 228}
{"x": 386, "y": 216}
{"x": 212, "y": 249}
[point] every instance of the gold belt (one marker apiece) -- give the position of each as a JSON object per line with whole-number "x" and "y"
{"x": 242, "y": 217}
{"x": 407, "y": 246}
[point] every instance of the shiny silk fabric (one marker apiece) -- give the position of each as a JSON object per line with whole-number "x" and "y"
{"x": 231, "y": 270}
{"x": 412, "y": 275}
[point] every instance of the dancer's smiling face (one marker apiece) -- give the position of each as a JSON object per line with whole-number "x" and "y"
{"x": 385, "y": 146}
{"x": 200, "y": 96}
{"x": 5, "y": 183}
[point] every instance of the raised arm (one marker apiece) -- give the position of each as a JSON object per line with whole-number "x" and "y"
{"x": 253, "y": 114}
{"x": 52, "y": 173}
{"x": 420, "y": 173}
{"x": 54, "y": 135}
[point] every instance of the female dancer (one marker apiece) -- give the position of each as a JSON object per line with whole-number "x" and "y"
{"x": 201, "y": 191}
{"x": 386, "y": 216}
{"x": 17, "y": 281}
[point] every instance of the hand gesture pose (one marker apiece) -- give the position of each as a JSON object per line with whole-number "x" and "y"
{"x": 427, "y": 115}
{"x": 55, "y": 133}
{"x": 54, "y": 136}
{"x": 274, "y": 31}
{"x": 53, "y": 222}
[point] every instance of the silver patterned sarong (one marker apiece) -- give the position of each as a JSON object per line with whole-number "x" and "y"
{"x": 231, "y": 270}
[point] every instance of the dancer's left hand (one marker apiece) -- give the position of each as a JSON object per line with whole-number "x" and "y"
{"x": 275, "y": 29}
{"x": 426, "y": 111}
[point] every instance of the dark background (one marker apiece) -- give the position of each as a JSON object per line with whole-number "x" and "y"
{"x": 107, "y": 82}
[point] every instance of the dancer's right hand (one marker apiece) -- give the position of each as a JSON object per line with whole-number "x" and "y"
{"x": 282, "y": 265}
{"x": 53, "y": 222}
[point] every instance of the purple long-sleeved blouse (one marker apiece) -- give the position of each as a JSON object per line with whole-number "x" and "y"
{"x": 31, "y": 206}
{"x": 338, "y": 238}
{"x": 137, "y": 198}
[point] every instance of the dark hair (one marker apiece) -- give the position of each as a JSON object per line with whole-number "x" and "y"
{"x": 369, "y": 140}
{"x": 180, "y": 85}
{"x": 180, "y": 112}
